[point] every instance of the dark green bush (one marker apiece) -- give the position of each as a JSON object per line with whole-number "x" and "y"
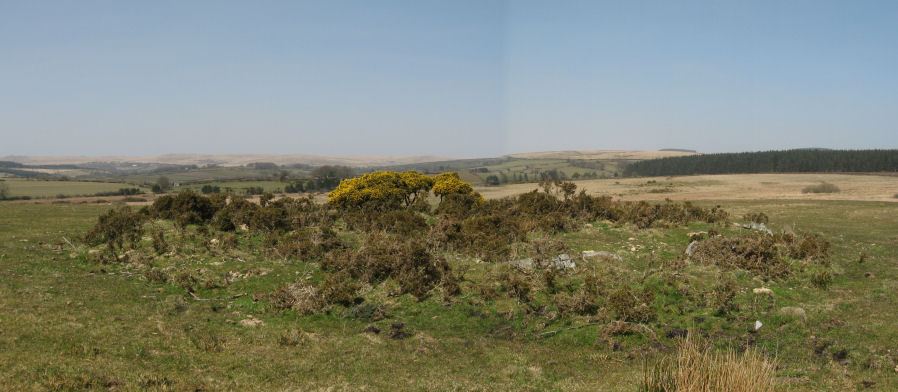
{"x": 186, "y": 207}
{"x": 116, "y": 228}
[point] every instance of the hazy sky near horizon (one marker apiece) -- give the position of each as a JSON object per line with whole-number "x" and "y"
{"x": 450, "y": 78}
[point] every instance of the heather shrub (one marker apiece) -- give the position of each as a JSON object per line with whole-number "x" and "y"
{"x": 301, "y": 297}
{"x": 384, "y": 256}
{"x": 632, "y": 305}
{"x": 160, "y": 245}
{"x": 402, "y": 222}
{"x": 805, "y": 246}
{"x": 458, "y": 205}
{"x": 723, "y": 296}
{"x": 823, "y": 187}
{"x": 186, "y": 207}
{"x": 445, "y": 234}
{"x": 490, "y": 236}
{"x": 309, "y": 244}
{"x": 756, "y": 253}
{"x": 756, "y": 217}
{"x": 516, "y": 285}
{"x": 339, "y": 288}
{"x": 236, "y": 213}
{"x": 116, "y": 228}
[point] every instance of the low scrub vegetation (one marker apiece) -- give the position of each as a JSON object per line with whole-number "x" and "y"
{"x": 823, "y": 187}
{"x": 389, "y": 243}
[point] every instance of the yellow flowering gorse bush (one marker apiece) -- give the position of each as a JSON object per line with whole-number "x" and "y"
{"x": 390, "y": 189}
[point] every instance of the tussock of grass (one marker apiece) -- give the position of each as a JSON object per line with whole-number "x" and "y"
{"x": 696, "y": 367}
{"x": 823, "y": 187}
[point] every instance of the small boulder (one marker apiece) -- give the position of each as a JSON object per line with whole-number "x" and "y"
{"x": 757, "y": 227}
{"x": 690, "y": 249}
{"x": 563, "y": 262}
{"x": 586, "y": 254}
{"x": 524, "y": 264}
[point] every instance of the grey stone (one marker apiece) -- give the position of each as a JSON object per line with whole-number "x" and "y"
{"x": 524, "y": 264}
{"x": 586, "y": 254}
{"x": 691, "y": 248}
{"x": 563, "y": 262}
{"x": 757, "y": 227}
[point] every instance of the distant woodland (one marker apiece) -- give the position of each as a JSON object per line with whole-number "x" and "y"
{"x": 786, "y": 161}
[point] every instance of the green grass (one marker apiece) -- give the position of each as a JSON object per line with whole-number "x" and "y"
{"x": 239, "y": 186}
{"x": 40, "y": 188}
{"x": 69, "y": 323}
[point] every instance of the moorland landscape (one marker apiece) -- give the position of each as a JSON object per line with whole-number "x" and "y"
{"x": 375, "y": 277}
{"x": 464, "y": 195}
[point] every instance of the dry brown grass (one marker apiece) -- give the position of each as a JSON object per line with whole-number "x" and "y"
{"x": 695, "y": 367}
{"x": 859, "y": 187}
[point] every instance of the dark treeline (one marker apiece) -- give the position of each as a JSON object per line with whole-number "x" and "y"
{"x": 786, "y": 161}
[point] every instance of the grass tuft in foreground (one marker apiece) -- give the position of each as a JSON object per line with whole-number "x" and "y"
{"x": 697, "y": 367}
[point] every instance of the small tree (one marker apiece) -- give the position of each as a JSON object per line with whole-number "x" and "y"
{"x": 4, "y": 190}
{"x": 163, "y": 183}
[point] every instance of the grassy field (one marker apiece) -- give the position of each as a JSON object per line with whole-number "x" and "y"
{"x": 40, "y": 188}
{"x": 239, "y": 187}
{"x": 69, "y": 323}
{"x": 229, "y": 173}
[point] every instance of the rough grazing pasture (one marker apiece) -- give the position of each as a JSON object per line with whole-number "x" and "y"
{"x": 70, "y": 321}
{"x": 731, "y": 187}
{"x": 45, "y": 189}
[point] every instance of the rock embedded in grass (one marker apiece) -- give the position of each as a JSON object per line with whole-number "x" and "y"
{"x": 586, "y": 254}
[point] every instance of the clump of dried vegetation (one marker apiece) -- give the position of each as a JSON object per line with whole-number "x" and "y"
{"x": 697, "y": 367}
{"x": 767, "y": 255}
{"x": 823, "y": 187}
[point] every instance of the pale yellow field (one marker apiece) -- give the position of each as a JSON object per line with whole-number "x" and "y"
{"x": 730, "y": 187}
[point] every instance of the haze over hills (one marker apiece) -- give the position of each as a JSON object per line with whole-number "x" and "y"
{"x": 225, "y": 159}
{"x": 315, "y": 160}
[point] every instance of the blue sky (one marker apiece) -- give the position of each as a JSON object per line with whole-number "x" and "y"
{"x": 452, "y": 78}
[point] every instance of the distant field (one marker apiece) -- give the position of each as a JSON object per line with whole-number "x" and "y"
{"x": 730, "y": 187}
{"x": 240, "y": 186}
{"x": 603, "y": 154}
{"x": 39, "y": 188}
{"x": 212, "y": 174}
